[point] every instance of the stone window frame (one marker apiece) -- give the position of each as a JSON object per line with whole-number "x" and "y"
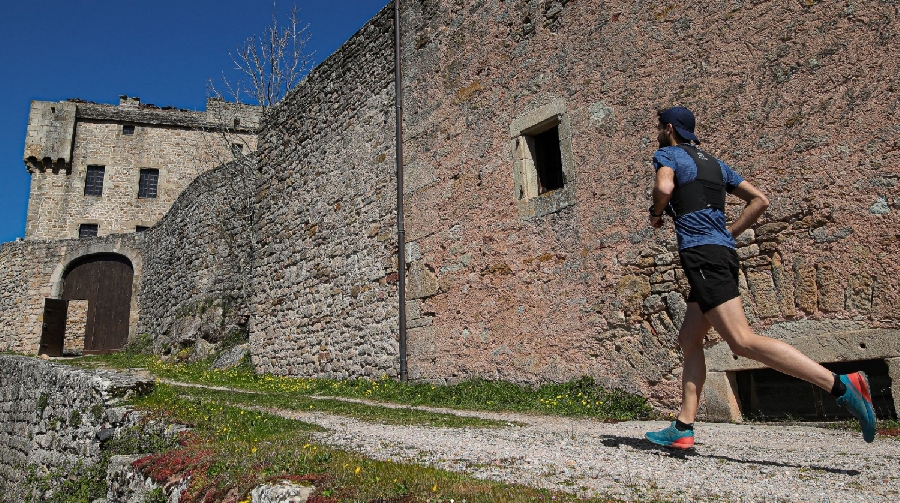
{"x": 530, "y": 203}
{"x": 88, "y": 230}
{"x": 93, "y": 180}
{"x": 148, "y": 183}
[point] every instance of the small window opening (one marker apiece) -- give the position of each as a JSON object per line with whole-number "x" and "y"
{"x": 237, "y": 123}
{"x": 93, "y": 181}
{"x": 140, "y": 228}
{"x": 128, "y": 129}
{"x": 769, "y": 394}
{"x": 548, "y": 160}
{"x": 53, "y": 110}
{"x": 87, "y": 230}
{"x": 148, "y": 183}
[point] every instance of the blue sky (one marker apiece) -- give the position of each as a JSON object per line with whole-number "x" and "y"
{"x": 163, "y": 51}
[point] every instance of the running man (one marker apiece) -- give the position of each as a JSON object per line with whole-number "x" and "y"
{"x": 690, "y": 187}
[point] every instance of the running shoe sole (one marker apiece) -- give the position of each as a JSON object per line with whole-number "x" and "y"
{"x": 858, "y": 389}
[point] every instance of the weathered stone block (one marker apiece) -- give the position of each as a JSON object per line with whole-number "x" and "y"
{"x": 831, "y": 289}
{"x": 631, "y": 291}
{"x": 784, "y": 287}
{"x": 770, "y": 231}
{"x": 721, "y": 398}
{"x": 859, "y": 292}
{"x": 746, "y": 252}
{"x": 421, "y": 281}
{"x": 677, "y": 307}
{"x": 662, "y": 324}
{"x": 894, "y": 374}
{"x": 653, "y": 304}
{"x": 806, "y": 288}
{"x": 764, "y": 296}
{"x": 746, "y": 237}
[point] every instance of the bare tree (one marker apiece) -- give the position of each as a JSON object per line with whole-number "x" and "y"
{"x": 269, "y": 66}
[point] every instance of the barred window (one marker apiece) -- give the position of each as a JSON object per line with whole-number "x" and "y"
{"x": 148, "y": 183}
{"x": 93, "y": 181}
{"x": 87, "y": 230}
{"x": 128, "y": 129}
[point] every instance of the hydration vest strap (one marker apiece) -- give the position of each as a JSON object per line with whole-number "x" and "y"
{"x": 705, "y": 191}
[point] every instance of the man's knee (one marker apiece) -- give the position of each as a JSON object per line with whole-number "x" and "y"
{"x": 690, "y": 340}
{"x": 743, "y": 344}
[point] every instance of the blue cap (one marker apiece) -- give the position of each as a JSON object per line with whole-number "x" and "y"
{"x": 682, "y": 120}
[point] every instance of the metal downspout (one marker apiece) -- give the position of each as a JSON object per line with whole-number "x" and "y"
{"x": 401, "y": 231}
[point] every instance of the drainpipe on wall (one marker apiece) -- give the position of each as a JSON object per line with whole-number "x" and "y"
{"x": 401, "y": 231}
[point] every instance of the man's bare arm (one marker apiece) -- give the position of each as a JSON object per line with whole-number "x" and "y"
{"x": 757, "y": 203}
{"x": 663, "y": 186}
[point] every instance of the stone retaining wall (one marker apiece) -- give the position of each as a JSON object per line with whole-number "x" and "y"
{"x": 53, "y": 416}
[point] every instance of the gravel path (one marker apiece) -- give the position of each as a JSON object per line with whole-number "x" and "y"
{"x": 734, "y": 463}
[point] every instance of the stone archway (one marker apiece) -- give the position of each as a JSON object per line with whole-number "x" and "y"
{"x": 105, "y": 280}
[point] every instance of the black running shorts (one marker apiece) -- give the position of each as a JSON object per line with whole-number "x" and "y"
{"x": 712, "y": 272}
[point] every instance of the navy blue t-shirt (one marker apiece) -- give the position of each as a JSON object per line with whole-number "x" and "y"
{"x": 702, "y": 227}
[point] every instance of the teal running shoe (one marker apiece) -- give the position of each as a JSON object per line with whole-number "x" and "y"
{"x": 671, "y": 437}
{"x": 858, "y": 400}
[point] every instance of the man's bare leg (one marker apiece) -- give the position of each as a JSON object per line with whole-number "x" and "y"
{"x": 690, "y": 338}
{"x": 730, "y": 322}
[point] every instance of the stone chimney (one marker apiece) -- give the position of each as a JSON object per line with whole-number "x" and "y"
{"x": 126, "y": 102}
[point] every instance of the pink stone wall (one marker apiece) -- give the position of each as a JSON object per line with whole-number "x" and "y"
{"x": 800, "y": 97}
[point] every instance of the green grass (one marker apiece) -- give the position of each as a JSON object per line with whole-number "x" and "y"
{"x": 386, "y": 415}
{"x": 581, "y": 397}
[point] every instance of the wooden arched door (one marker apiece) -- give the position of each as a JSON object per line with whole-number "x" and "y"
{"x": 105, "y": 281}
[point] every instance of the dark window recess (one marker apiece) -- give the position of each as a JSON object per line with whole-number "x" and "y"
{"x": 148, "y": 183}
{"x": 93, "y": 181}
{"x": 128, "y": 129}
{"x": 769, "y": 394}
{"x": 140, "y": 228}
{"x": 548, "y": 160}
{"x": 237, "y": 123}
{"x": 87, "y": 230}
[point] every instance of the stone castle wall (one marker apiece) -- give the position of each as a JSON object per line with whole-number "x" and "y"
{"x": 325, "y": 291}
{"x": 191, "y": 271}
{"x": 197, "y": 268}
{"x": 180, "y": 144}
{"x": 33, "y": 270}
{"x": 575, "y": 281}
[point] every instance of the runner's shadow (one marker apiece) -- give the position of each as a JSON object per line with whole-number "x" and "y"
{"x": 645, "y": 445}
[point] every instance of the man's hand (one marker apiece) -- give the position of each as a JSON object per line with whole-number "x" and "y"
{"x": 656, "y": 222}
